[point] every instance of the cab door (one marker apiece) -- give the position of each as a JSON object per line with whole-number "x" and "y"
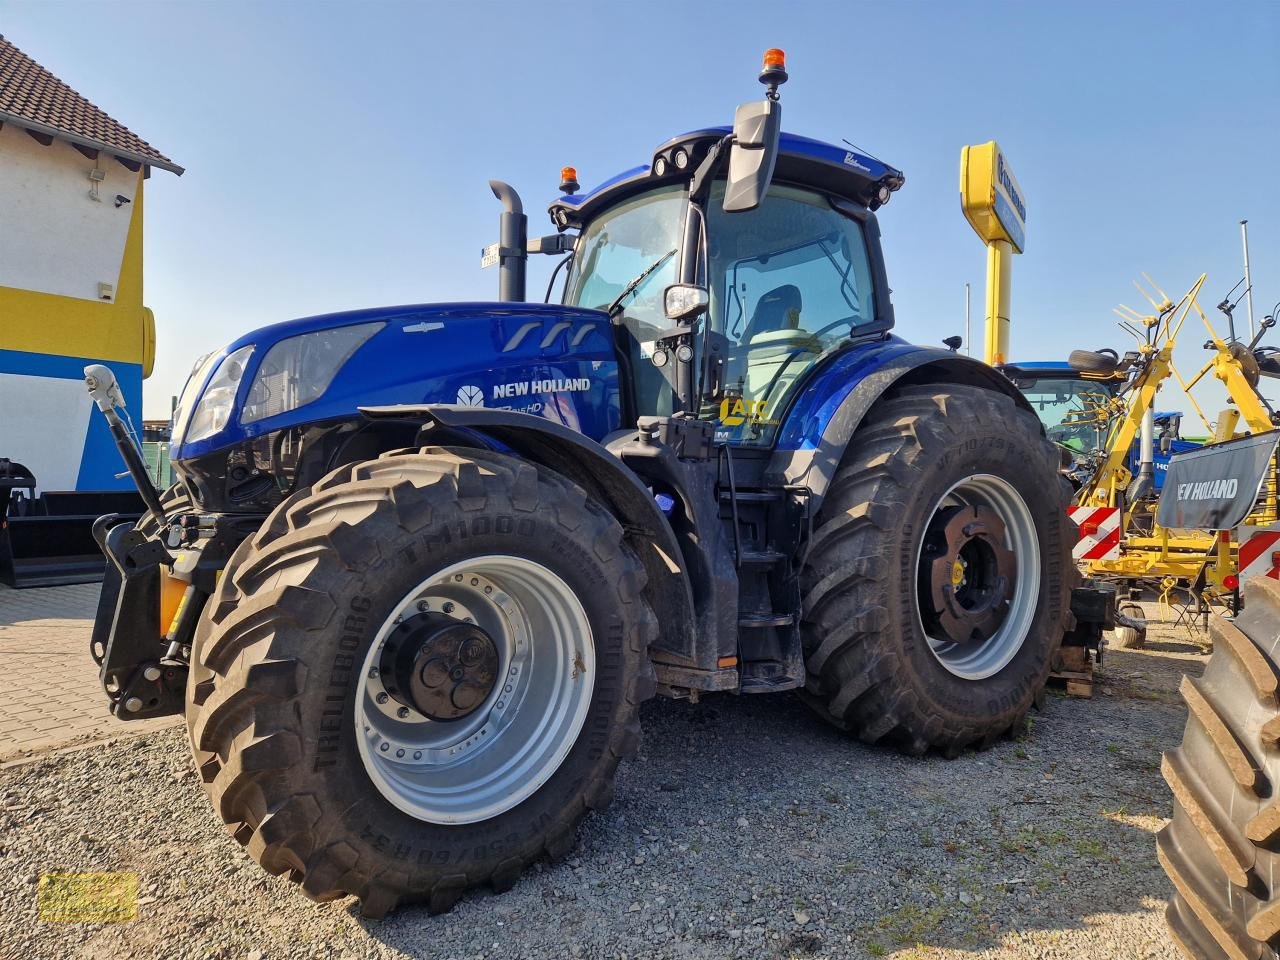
{"x": 790, "y": 283}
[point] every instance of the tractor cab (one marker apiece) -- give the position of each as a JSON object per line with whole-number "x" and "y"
{"x": 776, "y": 288}
{"x": 1075, "y": 407}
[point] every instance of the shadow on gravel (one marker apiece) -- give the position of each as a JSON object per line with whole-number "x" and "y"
{"x": 748, "y": 827}
{"x": 1187, "y": 648}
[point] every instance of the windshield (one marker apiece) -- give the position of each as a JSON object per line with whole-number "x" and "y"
{"x": 1075, "y": 413}
{"x": 614, "y": 250}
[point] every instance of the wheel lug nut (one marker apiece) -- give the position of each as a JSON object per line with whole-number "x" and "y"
{"x": 374, "y": 672}
{"x": 448, "y": 608}
{"x": 402, "y": 712}
{"x": 383, "y": 698}
{"x": 423, "y": 606}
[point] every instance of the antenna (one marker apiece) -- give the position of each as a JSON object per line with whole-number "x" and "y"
{"x": 968, "y": 351}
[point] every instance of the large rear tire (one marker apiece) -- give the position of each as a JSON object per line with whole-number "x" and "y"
{"x": 419, "y": 676}
{"x": 1220, "y": 849}
{"x": 937, "y": 585}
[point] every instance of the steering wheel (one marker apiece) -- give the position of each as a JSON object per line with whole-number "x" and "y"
{"x": 843, "y": 322}
{"x": 796, "y": 339}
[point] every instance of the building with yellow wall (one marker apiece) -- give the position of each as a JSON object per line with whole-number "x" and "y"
{"x": 71, "y": 199}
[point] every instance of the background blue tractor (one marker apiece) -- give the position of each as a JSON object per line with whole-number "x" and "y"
{"x": 423, "y": 563}
{"x": 1075, "y": 407}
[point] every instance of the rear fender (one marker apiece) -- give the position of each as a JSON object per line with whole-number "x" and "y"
{"x": 597, "y": 471}
{"x": 825, "y": 417}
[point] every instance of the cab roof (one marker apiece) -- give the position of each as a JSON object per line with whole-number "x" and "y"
{"x": 802, "y": 161}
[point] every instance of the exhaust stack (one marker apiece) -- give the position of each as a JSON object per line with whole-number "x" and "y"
{"x": 511, "y": 253}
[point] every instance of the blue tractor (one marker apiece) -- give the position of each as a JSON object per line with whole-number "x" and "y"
{"x": 423, "y": 564}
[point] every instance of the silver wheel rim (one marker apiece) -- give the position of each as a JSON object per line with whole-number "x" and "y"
{"x": 982, "y": 660}
{"x": 481, "y": 765}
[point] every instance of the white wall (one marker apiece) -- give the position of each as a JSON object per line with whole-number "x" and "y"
{"x": 45, "y": 420}
{"x": 53, "y": 238}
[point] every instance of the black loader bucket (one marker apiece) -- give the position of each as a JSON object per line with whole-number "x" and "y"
{"x": 48, "y": 540}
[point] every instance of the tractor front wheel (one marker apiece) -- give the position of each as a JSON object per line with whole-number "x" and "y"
{"x": 419, "y": 676}
{"x": 937, "y": 584}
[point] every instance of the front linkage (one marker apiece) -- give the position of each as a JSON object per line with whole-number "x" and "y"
{"x": 165, "y": 572}
{"x": 162, "y": 569}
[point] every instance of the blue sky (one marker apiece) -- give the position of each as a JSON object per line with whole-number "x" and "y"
{"x": 337, "y": 154}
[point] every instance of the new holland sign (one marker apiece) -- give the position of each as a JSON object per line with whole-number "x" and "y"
{"x": 1215, "y": 487}
{"x": 990, "y": 196}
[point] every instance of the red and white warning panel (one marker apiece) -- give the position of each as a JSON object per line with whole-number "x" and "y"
{"x": 1260, "y": 552}
{"x": 1099, "y": 532}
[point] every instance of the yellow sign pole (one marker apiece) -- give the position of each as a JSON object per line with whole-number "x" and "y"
{"x": 999, "y": 273}
{"x": 992, "y": 203}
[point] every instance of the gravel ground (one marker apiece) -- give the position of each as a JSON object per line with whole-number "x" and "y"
{"x": 746, "y": 828}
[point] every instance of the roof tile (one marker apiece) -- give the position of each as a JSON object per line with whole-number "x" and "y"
{"x": 30, "y": 92}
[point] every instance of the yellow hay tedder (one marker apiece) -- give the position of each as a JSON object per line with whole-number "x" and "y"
{"x": 1115, "y": 508}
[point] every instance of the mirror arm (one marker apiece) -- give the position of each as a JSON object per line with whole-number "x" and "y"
{"x": 700, "y": 184}
{"x": 552, "y": 244}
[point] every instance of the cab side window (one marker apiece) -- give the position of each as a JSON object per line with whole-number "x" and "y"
{"x": 790, "y": 281}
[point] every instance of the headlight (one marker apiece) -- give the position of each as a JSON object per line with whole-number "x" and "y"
{"x": 214, "y": 409}
{"x": 189, "y": 395}
{"x": 298, "y": 370}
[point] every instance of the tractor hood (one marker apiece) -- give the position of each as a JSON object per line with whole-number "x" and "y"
{"x": 549, "y": 360}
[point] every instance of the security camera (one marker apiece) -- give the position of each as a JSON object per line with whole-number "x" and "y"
{"x": 121, "y": 200}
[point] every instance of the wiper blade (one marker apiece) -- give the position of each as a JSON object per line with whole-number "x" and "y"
{"x": 640, "y": 278}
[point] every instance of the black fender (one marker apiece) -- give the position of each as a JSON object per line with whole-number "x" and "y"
{"x": 814, "y": 468}
{"x": 594, "y": 468}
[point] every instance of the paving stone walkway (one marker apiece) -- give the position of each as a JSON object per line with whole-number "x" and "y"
{"x": 50, "y": 696}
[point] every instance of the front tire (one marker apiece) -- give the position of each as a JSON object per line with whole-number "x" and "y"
{"x": 937, "y": 583}
{"x": 419, "y": 676}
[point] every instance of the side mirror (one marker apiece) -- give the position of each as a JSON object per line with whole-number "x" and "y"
{"x": 684, "y": 301}
{"x": 756, "y": 127}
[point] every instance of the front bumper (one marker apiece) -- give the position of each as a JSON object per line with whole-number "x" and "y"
{"x": 128, "y": 642}
{"x": 142, "y": 660}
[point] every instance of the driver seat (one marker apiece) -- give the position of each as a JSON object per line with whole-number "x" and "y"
{"x": 779, "y": 309}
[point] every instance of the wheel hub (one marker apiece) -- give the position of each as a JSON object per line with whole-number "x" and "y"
{"x": 968, "y": 575}
{"x": 441, "y": 667}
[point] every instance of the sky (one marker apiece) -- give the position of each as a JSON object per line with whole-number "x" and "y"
{"x": 337, "y": 155}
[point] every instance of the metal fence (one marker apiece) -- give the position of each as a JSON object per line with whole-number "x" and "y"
{"x": 157, "y": 457}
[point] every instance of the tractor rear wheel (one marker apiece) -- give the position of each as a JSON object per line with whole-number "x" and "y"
{"x": 937, "y": 584}
{"x": 1220, "y": 848}
{"x": 419, "y": 676}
